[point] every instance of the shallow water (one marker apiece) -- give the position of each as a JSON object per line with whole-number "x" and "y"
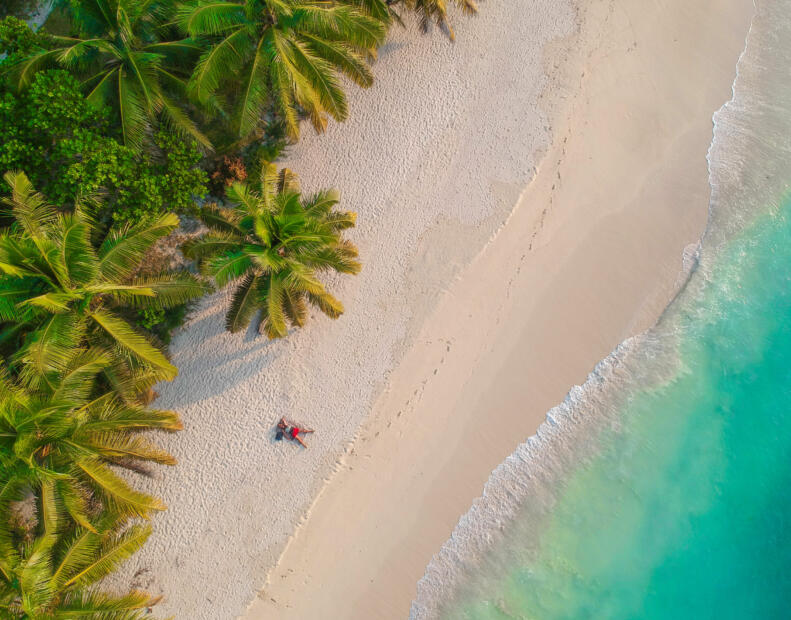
{"x": 662, "y": 488}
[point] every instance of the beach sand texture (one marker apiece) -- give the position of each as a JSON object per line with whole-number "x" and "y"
{"x": 592, "y": 255}
{"x": 433, "y": 158}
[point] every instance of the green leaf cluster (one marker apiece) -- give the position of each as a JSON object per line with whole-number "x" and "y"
{"x": 193, "y": 66}
{"x": 17, "y": 40}
{"x": 280, "y": 56}
{"x": 65, "y": 144}
{"x": 273, "y": 244}
{"x": 58, "y": 290}
{"x": 71, "y": 420}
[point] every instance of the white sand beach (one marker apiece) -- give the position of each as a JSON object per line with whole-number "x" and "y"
{"x": 483, "y": 299}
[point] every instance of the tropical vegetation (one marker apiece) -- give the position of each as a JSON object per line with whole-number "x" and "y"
{"x": 127, "y": 57}
{"x": 115, "y": 117}
{"x": 60, "y": 438}
{"x": 18, "y": 8}
{"x": 280, "y": 55}
{"x": 68, "y": 149}
{"x": 63, "y": 281}
{"x": 273, "y": 244}
{"x": 51, "y": 571}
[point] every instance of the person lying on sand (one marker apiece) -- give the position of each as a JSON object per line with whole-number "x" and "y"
{"x": 292, "y": 432}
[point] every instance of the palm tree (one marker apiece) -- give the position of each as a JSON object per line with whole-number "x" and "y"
{"x": 58, "y": 439}
{"x": 282, "y": 53}
{"x": 57, "y": 290}
{"x": 53, "y": 576}
{"x": 275, "y": 243}
{"x": 125, "y": 60}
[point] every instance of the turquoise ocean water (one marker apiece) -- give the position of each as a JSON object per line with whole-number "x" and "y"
{"x": 661, "y": 489}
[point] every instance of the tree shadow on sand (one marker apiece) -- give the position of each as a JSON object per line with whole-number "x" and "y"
{"x": 212, "y": 360}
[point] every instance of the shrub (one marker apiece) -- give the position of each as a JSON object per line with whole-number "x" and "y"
{"x": 65, "y": 144}
{"x": 18, "y": 40}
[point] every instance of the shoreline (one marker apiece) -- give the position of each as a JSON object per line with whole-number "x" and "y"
{"x": 423, "y": 455}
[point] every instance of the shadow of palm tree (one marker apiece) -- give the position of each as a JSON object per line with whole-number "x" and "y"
{"x": 212, "y": 360}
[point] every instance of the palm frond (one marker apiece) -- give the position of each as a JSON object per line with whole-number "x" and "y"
{"x": 122, "y": 333}
{"x": 170, "y": 289}
{"x": 132, "y": 112}
{"x": 103, "y": 606}
{"x": 123, "y": 248}
{"x": 49, "y": 350}
{"x": 295, "y": 307}
{"x": 210, "y": 17}
{"x": 273, "y": 314}
{"x": 212, "y": 66}
{"x": 320, "y": 85}
{"x": 179, "y": 122}
{"x": 342, "y": 22}
{"x": 328, "y": 304}
{"x": 75, "y": 503}
{"x": 212, "y": 244}
{"x": 254, "y": 93}
{"x": 72, "y": 236}
{"x": 348, "y": 62}
{"x": 129, "y": 418}
{"x": 28, "y": 207}
{"x": 220, "y": 220}
{"x": 116, "y": 447}
{"x": 114, "y": 551}
{"x": 123, "y": 497}
{"x": 228, "y": 267}
{"x": 244, "y": 303}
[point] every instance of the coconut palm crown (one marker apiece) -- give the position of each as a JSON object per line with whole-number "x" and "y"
{"x": 54, "y": 575}
{"x": 58, "y": 438}
{"x": 285, "y": 55}
{"x": 126, "y": 60}
{"x": 57, "y": 290}
{"x": 274, "y": 244}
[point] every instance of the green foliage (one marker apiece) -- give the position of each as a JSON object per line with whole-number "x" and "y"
{"x": 273, "y": 245}
{"x": 65, "y": 512}
{"x": 268, "y": 149}
{"x": 151, "y": 317}
{"x": 126, "y": 58}
{"x": 58, "y": 437}
{"x": 51, "y": 131}
{"x": 162, "y": 324}
{"x": 55, "y": 574}
{"x": 280, "y": 56}
{"x": 134, "y": 188}
{"x": 57, "y": 290}
{"x": 17, "y": 40}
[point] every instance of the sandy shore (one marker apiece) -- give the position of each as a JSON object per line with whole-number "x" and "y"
{"x": 433, "y": 159}
{"x": 590, "y": 256}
